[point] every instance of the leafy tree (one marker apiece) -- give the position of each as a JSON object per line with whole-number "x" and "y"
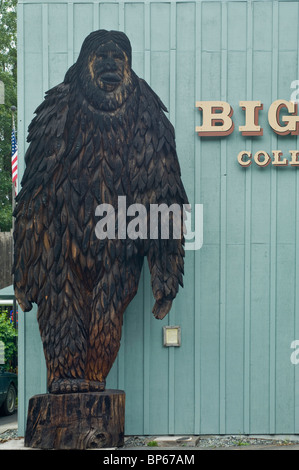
{"x": 8, "y": 335}
{"x": 8, "y": 75}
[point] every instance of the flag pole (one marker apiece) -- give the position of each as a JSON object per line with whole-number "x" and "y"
{"x": 13, "y": 203}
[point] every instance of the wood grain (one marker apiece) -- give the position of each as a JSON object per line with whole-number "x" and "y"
{"x": 76, "y": 420}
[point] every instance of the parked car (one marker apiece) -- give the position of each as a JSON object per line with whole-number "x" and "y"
{"x": 8, "y": 392}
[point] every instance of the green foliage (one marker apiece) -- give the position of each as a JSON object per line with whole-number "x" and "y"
{"x": 8, "y": 335}
{"x": 152, "y": 444}
{"x": 8, "y": 75}
{"x": 8, "y": 36}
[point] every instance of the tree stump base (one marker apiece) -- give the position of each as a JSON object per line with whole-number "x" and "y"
{"x": 76, "y": 420}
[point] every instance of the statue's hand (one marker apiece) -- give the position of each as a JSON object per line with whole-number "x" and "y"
{"x": 161, "y": 308}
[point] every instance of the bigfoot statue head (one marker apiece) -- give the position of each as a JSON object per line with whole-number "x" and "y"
{"x": 104, "y": 69}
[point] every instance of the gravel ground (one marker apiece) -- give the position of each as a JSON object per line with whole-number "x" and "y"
{"x": 205, "y": 442}
{"x": 208, "y": 442}
{"x": 239, "y": 441}
{"x": 9, "y": 434}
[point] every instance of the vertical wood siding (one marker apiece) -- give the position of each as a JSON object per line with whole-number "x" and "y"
{"x": 239, "y": 308}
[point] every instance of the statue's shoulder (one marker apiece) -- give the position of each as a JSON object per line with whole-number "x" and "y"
{"x": 147, "y": 92}
{"x": 52, "y": 109}
{"x": 152, "y": 104}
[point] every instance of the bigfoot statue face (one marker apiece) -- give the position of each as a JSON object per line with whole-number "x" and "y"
{"x": 107, "y": 66}
{"x": 105, "y": 73}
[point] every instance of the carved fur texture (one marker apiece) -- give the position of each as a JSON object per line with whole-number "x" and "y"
{"x": 100, "y": 134}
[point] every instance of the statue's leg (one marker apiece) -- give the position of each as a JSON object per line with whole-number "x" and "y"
{"x": 63, "y": 319}
{"x": 104, "y": 338}
{"x": 111, "y": 297}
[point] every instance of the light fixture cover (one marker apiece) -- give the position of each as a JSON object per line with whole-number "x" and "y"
{"x": 171, "y": 335}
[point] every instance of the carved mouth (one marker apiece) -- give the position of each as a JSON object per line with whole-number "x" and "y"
{"x": 110, "y": 78}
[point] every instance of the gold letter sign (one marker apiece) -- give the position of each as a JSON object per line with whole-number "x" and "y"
{"x": 216, "y": 118}
{"x": 292, "y": 120}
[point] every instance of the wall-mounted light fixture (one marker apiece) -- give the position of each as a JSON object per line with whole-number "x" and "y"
{"x": 171, "y": 336}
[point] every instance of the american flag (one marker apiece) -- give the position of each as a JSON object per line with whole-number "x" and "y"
{"x": 14, "y": 159}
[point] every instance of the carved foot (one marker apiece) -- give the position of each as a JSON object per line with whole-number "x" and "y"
{"x": 76, "y": 386}
{"x": 69, "y": 386}
{"x": 95, "y": 386}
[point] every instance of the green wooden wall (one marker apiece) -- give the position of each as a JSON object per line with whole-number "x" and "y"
{"x": 239, "y": 309}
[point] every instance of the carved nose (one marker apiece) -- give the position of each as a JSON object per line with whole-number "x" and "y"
{"x": 110, "y": 65}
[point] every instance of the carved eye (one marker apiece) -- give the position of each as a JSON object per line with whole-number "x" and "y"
{"x": 119, "y": 56}
{"x": 102, "y": 56}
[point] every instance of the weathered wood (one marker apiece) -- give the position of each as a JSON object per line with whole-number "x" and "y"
{"x": 76, "y": 420}
{"x": 100, "y": 134}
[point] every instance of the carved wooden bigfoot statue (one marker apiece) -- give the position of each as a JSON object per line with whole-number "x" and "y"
{"x": 100, "y": 134}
